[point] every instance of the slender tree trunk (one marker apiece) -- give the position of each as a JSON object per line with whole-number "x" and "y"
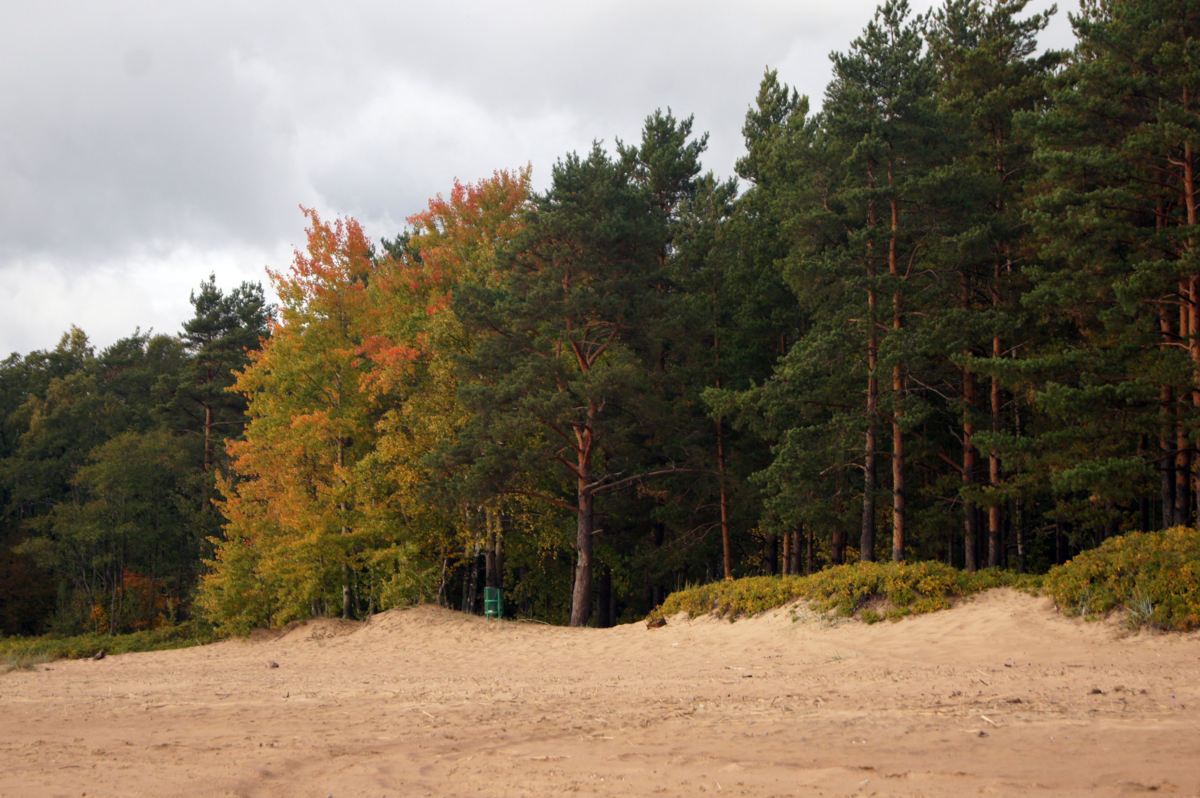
{"x": 787, "y": 553}
{"x": 1183, "y": 473}
{"x": 867, "y": 538}
{"x": 1194, "y": 349}
{"x": 726, "y": 536}
{"x": 994, "y": 528}
{"x": 499, "y": 531}
{"x": 604, "y": 600}
{"x": 1018, "y": 502}
{"x": 581, "y": 598}
{"x": 347, "y": 597}
{"x": 208, "y": 439}
{"x": 347, "y": 594}
{"x": 1166, "y": 463}
{"x": 809, "y": 565}
{"x": 837, "y": 544}
{"x": 491, "y": 576}
{"x": 797, "y": 538}
{"x": 1192, "y": 296}
{"x": 1144, "y": 502}
{"x": 471, "y": 576}
{"x": 771, "y": 554}
{"x": 581, "y": 592}
{"x": 970, "y": 458}
{"x": 654, "y": 591}
{"x": 898, "y": 506}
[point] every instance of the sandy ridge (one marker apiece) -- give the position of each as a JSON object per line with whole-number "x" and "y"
{"x": 1001, "y": 695}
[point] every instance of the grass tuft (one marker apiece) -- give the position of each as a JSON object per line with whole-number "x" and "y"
{"x": 21, "y": 661}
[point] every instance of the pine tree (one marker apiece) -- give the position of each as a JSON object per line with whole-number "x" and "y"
{"x": 879, "y": 116}
{"x": 558, "y": 380}
{"x": 218, "y": 338}
{"x": 989, "y": 72}
{"x": 1115, "y": 223}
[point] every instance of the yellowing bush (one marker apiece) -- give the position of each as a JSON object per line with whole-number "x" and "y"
{"x": 900, "y": 588}
{"x": 1152, "y": 575}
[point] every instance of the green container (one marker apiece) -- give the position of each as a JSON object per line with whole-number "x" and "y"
{"x": 493, "y": 602}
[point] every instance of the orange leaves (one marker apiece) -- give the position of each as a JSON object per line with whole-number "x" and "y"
{"x": 355, "y": 386}
{"x": 457, "y": 237}
{"x": 337, "y": 259}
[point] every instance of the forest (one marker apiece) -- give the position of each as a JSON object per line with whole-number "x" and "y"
{"x": 952, "y": 316}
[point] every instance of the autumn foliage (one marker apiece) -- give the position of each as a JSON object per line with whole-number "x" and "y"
{"x": 323, "y": 503}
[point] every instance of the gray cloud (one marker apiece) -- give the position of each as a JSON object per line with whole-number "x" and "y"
{"x": 147, "y": 144}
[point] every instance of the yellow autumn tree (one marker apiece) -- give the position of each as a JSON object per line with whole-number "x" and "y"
{"x": 331, "y": 500}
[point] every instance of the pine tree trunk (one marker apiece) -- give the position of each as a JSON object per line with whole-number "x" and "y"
{"x": 1166, "y": 463}
{"x": 771, "y": 554}
{"x": 490, "y": 578}
{"x": 787, "y": 553}
{"x": 208, "y": 436}
{"x": 867, "y": 540}
{"x": 581, "y": 591}
{"x": 797, "y": 541}
{"x": 581, "y": 598}
{"x": 604, "y": 601}
{"x": 1144, "y": 501}
{"x": 726, "y": 535}
{"x": 499, "y": 531}
{"x": 837, "y": 544}
{"x": 970, "y": 532}
{"x": 809, "y": 565}
{"x": 994, "y": 527}
{"x": 1194, "y": 340}
{"x": 1190, "y": 332}
{"x": 898, "y": 508}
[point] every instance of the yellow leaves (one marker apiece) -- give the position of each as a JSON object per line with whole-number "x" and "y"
{"x": 346, "y": 399}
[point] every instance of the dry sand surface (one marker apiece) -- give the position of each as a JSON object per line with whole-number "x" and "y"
{"x": 1001, "y": 696}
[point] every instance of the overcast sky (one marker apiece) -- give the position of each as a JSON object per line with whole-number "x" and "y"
{"x": 145, "y": 145}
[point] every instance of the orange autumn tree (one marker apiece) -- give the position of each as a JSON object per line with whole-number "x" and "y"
{"x": 330, "y": 494}
{"x": 295, "y": 536}
{"x": 456, "y": 238}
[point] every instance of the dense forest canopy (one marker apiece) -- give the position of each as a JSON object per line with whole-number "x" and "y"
{"x": 954, "y": 315}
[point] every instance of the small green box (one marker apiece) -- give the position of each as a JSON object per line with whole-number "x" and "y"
{"x": 493, "y": 602}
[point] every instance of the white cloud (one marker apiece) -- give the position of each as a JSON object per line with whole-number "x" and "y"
{"x": 145, "y": 144}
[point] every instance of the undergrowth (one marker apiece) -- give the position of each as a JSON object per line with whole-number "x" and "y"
{"x": 26, "y": 652}
{"x": 1152, "y": 575}
{"x": 21, "y": 661}
{"x": 872, "y": 591}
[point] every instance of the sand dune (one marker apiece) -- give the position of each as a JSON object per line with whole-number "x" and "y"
{"x": 1000, "y": 696}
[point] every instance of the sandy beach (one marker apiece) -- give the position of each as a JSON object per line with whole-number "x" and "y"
{"x": 1000, "y": 696}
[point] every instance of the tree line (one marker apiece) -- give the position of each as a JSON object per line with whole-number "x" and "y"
{"x": 974, "y": 264}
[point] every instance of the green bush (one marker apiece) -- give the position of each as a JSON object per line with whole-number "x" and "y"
{"x": 1153, "y": 575}
{"x": 24, "y": 652}
{"x": 893, "y": 589}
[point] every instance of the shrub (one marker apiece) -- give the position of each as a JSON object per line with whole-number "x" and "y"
{"x": 25, "y": 652}
{"x": 894, "y": 589}
{"x": 21, "y": 661}
{"x": 1153, "y": 575}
